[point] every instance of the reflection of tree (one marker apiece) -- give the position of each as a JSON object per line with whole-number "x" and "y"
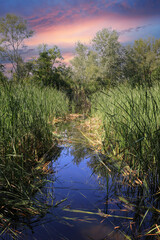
{"x": 122, "y": 195}
{"x": 80, "y": 152}
{"x": 80, "y": 148}
{"x": 53, "y": 154}
{"x": 126, "y": 194}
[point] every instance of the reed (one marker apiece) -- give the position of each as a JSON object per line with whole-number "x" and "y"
{"x": 131, "y": 120}
{"x": 25, "y": 137}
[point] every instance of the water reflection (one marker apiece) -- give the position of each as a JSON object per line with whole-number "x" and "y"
{"x": 25, "y": 200}
{"x": 96, "y": 201}
{"x": 120, "y": 194}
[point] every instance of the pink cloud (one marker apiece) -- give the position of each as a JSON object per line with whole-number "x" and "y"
{"x": 82, "y": 29}
{"x": 68, "y": 57}
{"x": 65, "y": 28}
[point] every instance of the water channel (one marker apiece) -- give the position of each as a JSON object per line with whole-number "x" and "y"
{"x": 91, "y": 196}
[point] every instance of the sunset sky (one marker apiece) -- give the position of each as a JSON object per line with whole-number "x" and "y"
{"x": 64, "y": 22}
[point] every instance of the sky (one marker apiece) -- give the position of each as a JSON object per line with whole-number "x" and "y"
{"x": 65, "y": 22}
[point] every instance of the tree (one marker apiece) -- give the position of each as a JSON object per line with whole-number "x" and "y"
{"x": 62, "y": 79}
{"x": 79, "y": 63}
{"x": 85, "y": 74}
{"x": 142, "y": 61}
{"x": 13, "y": 32}
{"x": 45, "y": 66}
{"x": 131, "y": 72}
{"x": 109, "y": 52}
{"x": 85, "y": 68}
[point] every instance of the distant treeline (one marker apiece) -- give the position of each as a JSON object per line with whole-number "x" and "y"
{"x": 103, "y": 64}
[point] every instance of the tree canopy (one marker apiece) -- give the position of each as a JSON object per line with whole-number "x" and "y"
{"x": 142, "y": 61}
{"x": 103, "y": 63}
{"x": 108, "y": 49}
{"x": 13, "y": 32}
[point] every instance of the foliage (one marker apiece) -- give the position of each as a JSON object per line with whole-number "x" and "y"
{"x": 1, "y": 72}
{"x": 131, "y": 123}
{"x": 13, "y": 32}
{"x": 48, "y": 70}
{"x": 142, "y": 61}
{"x": 45, "y": 66}
{"x": 1, "y": 67}
{"x": 109, "y": 53}
{"x": 101, "y": 64}
{"x": 85, "y": 62}
{"x": 107, "y": 63}
{"x": 26, "y": 114}
{"x": 85, "y": 75}
{"x": 97, "y": 66}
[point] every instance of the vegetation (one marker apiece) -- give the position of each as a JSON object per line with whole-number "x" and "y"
{"x": 25, "y": 138}
{"x": 142, "y": 62}
{"x": 106, "y": 63}
{"x": 119, "y": 84}
{"x": 131, "y": 123}
{"x": 13, "y": 32}
{"x": 131, "y": 139}
{"x": 127, "y": 102}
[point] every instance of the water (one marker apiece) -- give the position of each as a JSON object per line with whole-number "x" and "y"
{"x": 92, "y": 199}
{"x": 75, "y": 180}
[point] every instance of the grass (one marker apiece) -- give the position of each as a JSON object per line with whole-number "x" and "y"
{"x": 130, "y": 137}
{"x": 25, "y": 137}
{"x": 131, "y": 121}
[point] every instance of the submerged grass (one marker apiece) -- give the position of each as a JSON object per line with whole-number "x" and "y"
{"x": 25, "y": 137}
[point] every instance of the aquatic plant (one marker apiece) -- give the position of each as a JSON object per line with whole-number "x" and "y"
{"x": 25, "y": 138}
{"x": 131, "y": 120}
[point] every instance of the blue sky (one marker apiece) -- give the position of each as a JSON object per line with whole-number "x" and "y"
{"x": 64, "y": 22}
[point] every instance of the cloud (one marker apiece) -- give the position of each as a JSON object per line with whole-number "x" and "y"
{"x": 136, "y": 8}
{"x": 55, "y": 13}
{"x": 64, "y": 22}
{"x": 68, "y": 56}
{"x": 136, "y": 29}
{"x": 83, "y": 29}
{"x": 42, "y": 8}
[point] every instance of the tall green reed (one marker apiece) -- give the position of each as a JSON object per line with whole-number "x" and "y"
{"x": 131, "y": 119}
{"x": 25, "y": 137}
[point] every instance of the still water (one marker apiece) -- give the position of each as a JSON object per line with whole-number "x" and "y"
{"x": 80, "y": 216}
{"x": 91, "y": 200}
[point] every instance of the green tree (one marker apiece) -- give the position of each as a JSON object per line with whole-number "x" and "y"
{"x": 85, "y": 74}
{"x": 13, "y": 32}
{"x": 45, "y": 67}
{"x": 85, "y": 68}
{"x": 110, "y": 54}
{"x": 93, "y": 78}
{"x": 62, "y": 79}
{"x": 142, "y": 61}
{"x": 79, "y": 63}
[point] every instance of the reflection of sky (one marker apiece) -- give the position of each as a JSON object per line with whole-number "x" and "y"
{"x": 64, "y": 22}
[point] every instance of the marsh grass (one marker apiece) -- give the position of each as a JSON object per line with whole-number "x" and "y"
{"x": 131, "y": 120}
{"x": 25, "y": 137}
